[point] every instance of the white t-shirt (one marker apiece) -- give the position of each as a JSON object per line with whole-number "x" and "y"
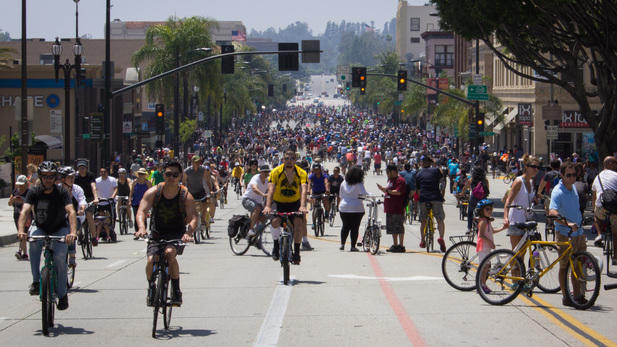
{"x": 105, "y": 188}
{"x": 609, "y": 181}
{"x": 349, "y": 197}
{"x": 250, "y": 192}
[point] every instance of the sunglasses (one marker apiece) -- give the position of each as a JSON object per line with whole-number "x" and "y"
{"x": 534, "y": 166}
{"x": 569, "y": 175}
{"x": 288, "y": 158}
{"x": 172, "y": 174}
{"x": 48, "y": 177}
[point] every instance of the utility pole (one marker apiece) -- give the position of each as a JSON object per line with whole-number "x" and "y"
{"x": 25, "y": 134}
{"x": 475, "y": 142}
{"x": 106, "y": 103}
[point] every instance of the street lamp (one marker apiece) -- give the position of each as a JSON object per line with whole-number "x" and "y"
{"x": 56, "y": 50}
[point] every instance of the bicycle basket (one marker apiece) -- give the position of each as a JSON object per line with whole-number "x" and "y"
{"x": 460, "y": 238}
{"x": 235, "y": 223}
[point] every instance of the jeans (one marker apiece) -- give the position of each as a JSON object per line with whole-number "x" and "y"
{"x": 472, "y": 206}
{"x": 60, "y": 251}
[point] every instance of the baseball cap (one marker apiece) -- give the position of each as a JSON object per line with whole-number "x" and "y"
{"x": 196, "y": 158}
{"x": 82, "y": 163}
{"x": 142, "y": 171}
{"x": 122, "y": 171}
{"x": 21, "y": 179}
{"x": 264, "y": 168}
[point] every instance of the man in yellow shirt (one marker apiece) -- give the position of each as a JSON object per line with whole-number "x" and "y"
{"x": 236, "y": 175}
{"x": 287, "y": 190}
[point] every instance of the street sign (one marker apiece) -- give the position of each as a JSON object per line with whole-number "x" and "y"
{"x": 477, "y": 92}
{"x": 55, "y": 121}
{"x": 477, "y": 79}
{"x": 85, "y": 136}
{"x": 127, "y": 127}
{"x": 487, "y": 133}
{"x": 551, "y": 132}
{"x": 96, "y": 126}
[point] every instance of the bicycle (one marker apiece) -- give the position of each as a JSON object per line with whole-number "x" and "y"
{"x": 123, "y": 217}
{"x": 85, "y": 238}
{"x": 409, "y": 215}
{"x": 509, "y": 177}
{"x": 102, "y": 219}
{"x": 47, "y": 291}
{"x": 607, "y": 249}
{"x": 160, "y": 277}
{"x": 286, "y": 240}
{"x": 463, "y": 207}
{"x": 240, "y": 242}
{"x": 372, "y": 232}
{"x": 461, "y": 259}
{"x": 333, "y": 210}
{"x": 428, "y": 234}
{"x": 203, "y": 230}
{"x": 318, "y": 215}
{"x": 237, "y": 188}
{"x": 507, "y": 277}
{"x": 549, "y": 226}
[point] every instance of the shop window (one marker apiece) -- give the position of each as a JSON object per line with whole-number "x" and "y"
{"x": 444, "y": 55}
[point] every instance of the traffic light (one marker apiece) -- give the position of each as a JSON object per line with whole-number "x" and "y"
{"x": 227, "y": 63}
{"x": 347, "y": 86}
{"x": 159, "y": 113}
{"x": 270, "y": 89}
{"x": 480, "y": 123}
{"x": 288, "y": 61}
{"x": 402, "y": 80}
{"x": 358, "y": 77}
{"x": 362, "y": 91}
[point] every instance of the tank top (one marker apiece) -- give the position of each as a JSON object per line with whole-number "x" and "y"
{"x": 195, "y": 182}
{"x": 138, "y": 193}
{"x": 123, "y": 188}
{"x": 482, "y": 245}
{"x": 523, "y": 198}
{"x": 168, "y": 221}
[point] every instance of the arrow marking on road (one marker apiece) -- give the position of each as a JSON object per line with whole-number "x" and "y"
{"x": 273, "y": 321}
{"x": 389, "y": 279}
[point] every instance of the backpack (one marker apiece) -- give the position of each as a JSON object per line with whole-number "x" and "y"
{"x": 236, "y": 222}
{"x": 478, "y": 191}
{"x": 157, "y": 197}
{"x": 609, "y": 198}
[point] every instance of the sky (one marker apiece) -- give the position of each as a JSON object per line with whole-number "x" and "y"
{"x": 50, "y": 18}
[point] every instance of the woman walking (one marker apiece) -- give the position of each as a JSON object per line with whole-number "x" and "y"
{"x": 521, "y": 194}
{"x": 351, "y": 207}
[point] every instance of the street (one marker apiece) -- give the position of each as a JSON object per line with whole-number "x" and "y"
{"x": 335, "y": 298}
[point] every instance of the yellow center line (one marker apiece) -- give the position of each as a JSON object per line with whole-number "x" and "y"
{"x": 545, "y": 308}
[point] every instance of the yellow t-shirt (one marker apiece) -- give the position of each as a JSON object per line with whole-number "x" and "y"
{"x": 237, "y": 172}
{"x": 285, "y": 191}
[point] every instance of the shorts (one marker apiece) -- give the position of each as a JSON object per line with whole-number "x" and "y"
{"x": 155, "y": 248}
{"x": 377, "y": 166}
{"x": 251, "y": 205}
{"x": 438, "y": 212}
{"x": 395, "y": 223}
{"x": 514, "y": 231}
{"x": 483, "y": 254}
{"x": 601, "y": 213}
{"x": 579, "y": 244}
{"x": 287, "y": 207}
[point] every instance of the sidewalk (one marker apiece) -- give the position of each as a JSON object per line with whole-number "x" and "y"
{"x": 8, "y": 232}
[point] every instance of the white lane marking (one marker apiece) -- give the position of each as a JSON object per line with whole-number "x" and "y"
{"x": 3, "y": 318}
{"x": 117, "y": 263}
{"x": 273, "y": 321}
{"x": 390, "y": 279}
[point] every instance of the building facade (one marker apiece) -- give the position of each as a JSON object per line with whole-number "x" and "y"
{"x": 411, "y": 22}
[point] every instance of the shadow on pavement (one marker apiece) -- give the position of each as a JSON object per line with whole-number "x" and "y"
{"x": 60, "y": 329}
{"x": 83, "y": 290}
{"x": 297, "y": 282}
{"x": 179, "y": 332}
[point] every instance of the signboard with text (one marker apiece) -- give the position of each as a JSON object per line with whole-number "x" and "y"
{"x": 96, "y": 126}
{"x": 525, "y": 114}
{"x": 573, "y": 119}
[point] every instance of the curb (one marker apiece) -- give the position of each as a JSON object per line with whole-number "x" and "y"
{"x": 6, "y": 240}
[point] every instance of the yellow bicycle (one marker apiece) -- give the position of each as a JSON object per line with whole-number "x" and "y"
{"x": 501, "y": 276}
{"x": 428, "y": 233}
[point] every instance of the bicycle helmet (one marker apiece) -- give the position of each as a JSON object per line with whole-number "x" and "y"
{"x": 316, "y": 166}
{"x": 66, "y": 171}
{"x": 482, "y": 203}
{"x": 47, "y": 166}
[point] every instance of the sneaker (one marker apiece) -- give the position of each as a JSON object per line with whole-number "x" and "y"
{"x": 442, "y": 244}
{"x": 275, "y": 252}
{"x": 63, "y": 303}
{"x": 251, "y": 233}
{"x": 211, "y": 220}
{"x": 72, "y": 262}
{"x": 95, "y": 241}
{"x": 295, "y": 259}
{"x": 343, "y": 247}
{"x": 422, "y": 244}
{"x": 24, "y": 256}
{"x": 176, "y": 298}
{"x": 598, "y": 241}
{"x": 392, "y": 248}
{"x": 485, "y": 289}
{"x": 401, "y": 249}
{"x": 566, "y": 301}
{"x": 353, "y": 249}
{"x": 34, "y": 288}
{"x": 306, "y": 246}
{"x": 18, "y": 255}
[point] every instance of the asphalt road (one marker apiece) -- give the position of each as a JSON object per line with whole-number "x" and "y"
{"x": 336, "y": 298}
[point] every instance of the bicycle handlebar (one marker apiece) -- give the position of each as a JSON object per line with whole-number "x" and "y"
{"x": 45, "y": 237}
{"x": 177, "y": 242}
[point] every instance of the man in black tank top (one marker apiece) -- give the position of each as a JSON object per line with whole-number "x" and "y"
{"x": 173, "y": 207}
{"x": 123, "y": 189}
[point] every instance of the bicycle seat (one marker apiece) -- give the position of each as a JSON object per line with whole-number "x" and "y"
{"x": 527, "y": 225}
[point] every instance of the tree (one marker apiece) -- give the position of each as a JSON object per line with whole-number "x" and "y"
{"x": 559, "y": 40}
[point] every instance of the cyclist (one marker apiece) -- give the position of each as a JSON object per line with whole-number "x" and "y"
{"x": 318, "y": 184}
{"x": 16, "y": 200}
{"x": 427, "y": 182}
{"x": 453, "y": 168}
{"x": 67, "y": 174}
{"x": 172, "y": 208}
{"x": 252, "y": 171}
{"x": 138, "y": 188}
{"x": 123, "y": 189}
{"x": 51, "y": 204}
{"x": 608, "y": 178}
{"x": 287, "y": 190}
{"x": 254, "y": 196}
{"x": 223, "y": 180}
{"x": 193, "y": 178}
{"x": 86, "y": 180}
{"x": 335, "y": 180}
{"x": 565, "y": 202}
{"x": 236, "y": 174}
{"x": 377, "y": 162}
{"x": 105, "y": 187}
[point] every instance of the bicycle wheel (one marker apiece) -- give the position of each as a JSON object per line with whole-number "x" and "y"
{"x": 206, "y": 226}
{"x": 70, "y": 274}
{"x": 315, "y": 225}
{"x": 89, "y": 243}
{"x": 240, "y": 244}
{"x": 197, "y": 233}
{"x": 547, "y": 254}
{"x": 366, "y": 239}
{"x": 460, "y": 264}
{"x": 167, "y": 307}
{"x": 85, "y": 240}
{"x": 46, "y": 301}
{"x": 498, "y": 287}
{"x": 321, "y": 222}
{"x": 608, "y": 251}
{"x": 507, "y": 179}
{"x": 582, "y": 280}
{"x": 285, "y": 258}
{"x": 266, "y": 242}
{"x": 374, "y": 240}
{"x": 157, "y": 299}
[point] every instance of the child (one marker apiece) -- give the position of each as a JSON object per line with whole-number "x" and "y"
{"x": 485, "y": 243}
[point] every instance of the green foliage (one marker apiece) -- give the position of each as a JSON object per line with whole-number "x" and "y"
{"x": 187, "y": 129}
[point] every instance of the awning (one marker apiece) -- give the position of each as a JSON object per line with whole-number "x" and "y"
{"x": 509, "y": 117}
{"x": 50, "y": 141}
